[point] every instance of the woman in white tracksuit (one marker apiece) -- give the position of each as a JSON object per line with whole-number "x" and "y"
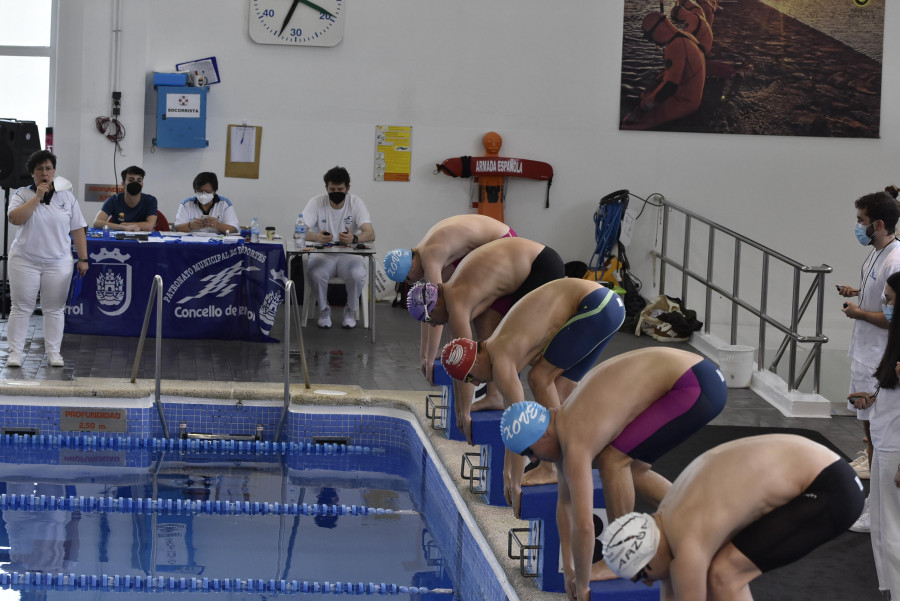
{"x": 884, "y": 422}
{"x": 40, "y": 258}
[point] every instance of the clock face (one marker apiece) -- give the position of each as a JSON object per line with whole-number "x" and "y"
{"x": 297, "y": 22}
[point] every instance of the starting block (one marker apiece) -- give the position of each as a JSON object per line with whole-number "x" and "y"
{"x": 484, "y": 469}
{"x": 537, "y": 548}
{"x": 439, "y": 408}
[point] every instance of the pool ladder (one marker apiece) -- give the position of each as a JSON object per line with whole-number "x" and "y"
{"x": 290, "y": 310}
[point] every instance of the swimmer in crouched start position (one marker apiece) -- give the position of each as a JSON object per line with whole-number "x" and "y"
{"x": 735, "y": 512}
{"x": 626, "y": 413}
{"x": 559, "y": 329}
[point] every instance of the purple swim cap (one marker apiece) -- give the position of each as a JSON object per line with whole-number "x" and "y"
{"x": 421, "y": 300}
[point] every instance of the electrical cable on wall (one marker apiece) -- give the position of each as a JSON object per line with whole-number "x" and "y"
{"x": 115, "y": 133}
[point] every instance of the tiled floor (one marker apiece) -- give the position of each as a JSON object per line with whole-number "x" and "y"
{"x": 335, "y": 356}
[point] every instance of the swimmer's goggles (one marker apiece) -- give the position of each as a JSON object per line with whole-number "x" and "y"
{"x": 425, "y": 305}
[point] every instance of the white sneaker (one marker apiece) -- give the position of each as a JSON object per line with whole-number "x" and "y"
{"x": 863, "y": 522}
{"x": 349, "y": 319}
{"x": 15, "y": 359}
{"x": 55, "y": 360}
{"x": 325, "y": 318}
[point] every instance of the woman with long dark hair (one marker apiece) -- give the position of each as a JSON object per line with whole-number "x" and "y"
{"x": 884, "y": 421}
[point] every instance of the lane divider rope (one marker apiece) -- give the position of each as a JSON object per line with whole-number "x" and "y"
{"x": 157, "y": 584}
{"x": 35, "y": 503}
{"x": 258, "y": 447}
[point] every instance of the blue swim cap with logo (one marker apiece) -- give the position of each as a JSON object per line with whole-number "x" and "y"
{"x": 397, "y": 264}
{"x": 522, "y": 424}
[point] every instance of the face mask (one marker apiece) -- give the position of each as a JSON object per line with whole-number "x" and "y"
{"x": 134, "y": 188}
{"x": 888, "y": 311}
{"x": 337, "y": 197}
{"x": 861, "y": 234}
{"x": 205, "y": 197}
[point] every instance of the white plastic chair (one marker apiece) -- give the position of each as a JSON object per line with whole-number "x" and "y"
{"x": 308, "y": 301}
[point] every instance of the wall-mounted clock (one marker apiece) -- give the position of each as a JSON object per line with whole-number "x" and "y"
{"x": 297, "y": 22}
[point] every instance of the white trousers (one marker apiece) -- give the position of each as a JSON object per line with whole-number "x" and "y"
{"x": 884, "y": 509}
{"x": 26, "y": 279}
{"x": 350, "y": 268}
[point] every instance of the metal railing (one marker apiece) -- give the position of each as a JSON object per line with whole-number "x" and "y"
{"x": 155, "y": 295}
{"x": 798, "y": 306}
{"x": 291, "y": 310}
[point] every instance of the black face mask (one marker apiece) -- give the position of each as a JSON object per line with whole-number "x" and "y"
{"x": 337, "y": 197}
{"x": 134, "y": 188}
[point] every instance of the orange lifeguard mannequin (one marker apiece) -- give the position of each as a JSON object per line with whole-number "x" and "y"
{"x": 490, "y": 187}
{"x": 491, "y": 171}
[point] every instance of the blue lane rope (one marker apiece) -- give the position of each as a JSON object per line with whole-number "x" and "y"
{"x": 158, "y": 584}
{"x": 257, "y": 447}
{"x": 35, "y": 503}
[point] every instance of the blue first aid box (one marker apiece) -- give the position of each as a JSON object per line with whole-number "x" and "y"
{"x": 170, "y": 79}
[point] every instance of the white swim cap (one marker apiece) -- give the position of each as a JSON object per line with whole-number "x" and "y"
{"x": 629, "y": 543}
{"x": 522, "y": 424}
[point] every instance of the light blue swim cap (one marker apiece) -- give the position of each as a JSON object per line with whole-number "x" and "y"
{"x": 522, "y": 424}
{"x": 397, "y": 264}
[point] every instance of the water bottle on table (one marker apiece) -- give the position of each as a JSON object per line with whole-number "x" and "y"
{"x": 300, "y": 233}
{"x": 254, "y": 230}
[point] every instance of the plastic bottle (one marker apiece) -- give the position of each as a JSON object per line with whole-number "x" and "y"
{"x": 106, "y": 231}
{"x": 300, "y": 233}
{"x": 254, "y": 230}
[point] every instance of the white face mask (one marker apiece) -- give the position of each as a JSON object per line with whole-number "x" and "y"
{"x": 205, "y": 197}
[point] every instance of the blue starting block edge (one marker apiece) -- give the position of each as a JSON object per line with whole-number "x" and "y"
{"x": 486, "y": 433}
{"x": 623, "y": 590}
{"x": 442, "y": 379}
{"x": 539, "y": 507}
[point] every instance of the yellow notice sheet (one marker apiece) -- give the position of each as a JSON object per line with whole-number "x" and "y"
{"x": 393, "y": 153}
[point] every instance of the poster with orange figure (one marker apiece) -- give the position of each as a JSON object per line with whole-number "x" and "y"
{"x": 766, "y": 67}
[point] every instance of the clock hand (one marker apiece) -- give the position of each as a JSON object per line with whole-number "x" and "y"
{"x": 290, "y": 14}
{"x": 317, "y": 7}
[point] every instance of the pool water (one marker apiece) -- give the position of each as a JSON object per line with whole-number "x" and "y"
{"x": 196, "y": 521}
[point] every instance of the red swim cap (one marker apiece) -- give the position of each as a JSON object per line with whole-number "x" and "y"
{"x": 458, "y": 357}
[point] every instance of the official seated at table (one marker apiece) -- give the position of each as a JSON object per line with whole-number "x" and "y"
{"x": 339, "y": 217}
{"x": 130, "y": 211}
{"x": 206, "y": 211}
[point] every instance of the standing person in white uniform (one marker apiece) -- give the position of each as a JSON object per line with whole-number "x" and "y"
{"x": 884, "y": 490}
{"x": 206, "y": 211}
{"x": 876, "y": 220}
{"x": 341, "y": 218}
{"x": 40, "y": 259}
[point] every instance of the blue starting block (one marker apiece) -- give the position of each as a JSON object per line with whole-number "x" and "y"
{"x": 537, "y": 548}
{"x": 484, "y": 469}
{"x": 439, "y": 407}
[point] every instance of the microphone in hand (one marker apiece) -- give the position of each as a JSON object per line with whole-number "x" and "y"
{"x": 48, "y": 194}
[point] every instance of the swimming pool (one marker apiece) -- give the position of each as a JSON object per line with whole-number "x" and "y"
{"x": 354, "y": 503}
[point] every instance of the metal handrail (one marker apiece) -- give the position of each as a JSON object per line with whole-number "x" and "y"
{"x": 291, "y": 309}
{"x": 155, "y": 294}
{"x": 798, "y": 308}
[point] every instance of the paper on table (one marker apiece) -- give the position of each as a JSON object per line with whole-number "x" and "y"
{"x": 198, "y": 237}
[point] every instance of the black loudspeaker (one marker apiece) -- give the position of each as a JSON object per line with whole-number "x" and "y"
{"x": 18, "y": 139}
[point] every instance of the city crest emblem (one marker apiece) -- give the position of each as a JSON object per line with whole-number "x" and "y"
{"x": 113, "y": 283}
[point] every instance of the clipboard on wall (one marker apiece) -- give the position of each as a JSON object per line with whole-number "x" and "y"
{"x": 242, "y": 151}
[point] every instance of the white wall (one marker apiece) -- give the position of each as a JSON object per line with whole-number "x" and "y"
{"x": 545, "y": 76}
